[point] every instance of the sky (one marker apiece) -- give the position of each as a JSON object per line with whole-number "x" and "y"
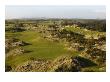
{"x": 86, "y": 12}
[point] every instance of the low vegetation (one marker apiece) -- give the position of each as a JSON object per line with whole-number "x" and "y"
{"x": 56, "y": 45}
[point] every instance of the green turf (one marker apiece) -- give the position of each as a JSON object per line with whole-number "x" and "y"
{"x": 38, "y": 48}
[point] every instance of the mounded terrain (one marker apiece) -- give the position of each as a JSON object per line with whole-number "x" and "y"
{"x": 55, "y": 45}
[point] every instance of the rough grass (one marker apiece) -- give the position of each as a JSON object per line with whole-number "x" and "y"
{"x": 38, "y": 48}
{"x": 84, "y": 32}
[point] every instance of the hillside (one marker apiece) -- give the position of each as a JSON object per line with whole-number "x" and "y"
{"x": 55, "y": 45}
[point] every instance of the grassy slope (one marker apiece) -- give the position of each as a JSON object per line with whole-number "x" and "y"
{"x": 85, "y": 32}
{"x": 39, "y": 48}
{"x": 42, "y": 48}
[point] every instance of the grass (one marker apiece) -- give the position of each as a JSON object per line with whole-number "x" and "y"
{"x": 85, "y": 32}
{"x": 94, "y": 69}
{"x": 38, "y": 48}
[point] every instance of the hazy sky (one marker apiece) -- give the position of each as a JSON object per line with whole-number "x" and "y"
{"x": 55, "y": 12}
